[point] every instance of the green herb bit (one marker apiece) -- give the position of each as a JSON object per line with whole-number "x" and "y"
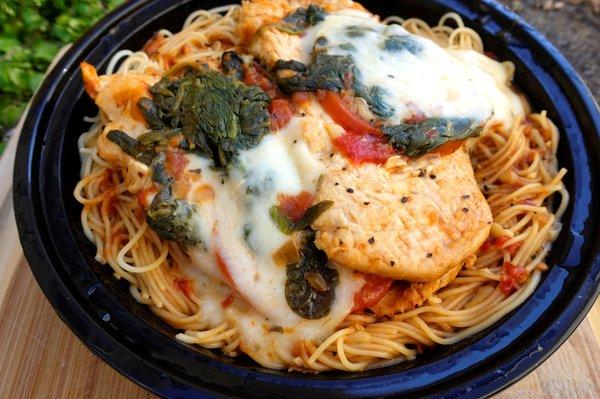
{"x": 287, "y": 226}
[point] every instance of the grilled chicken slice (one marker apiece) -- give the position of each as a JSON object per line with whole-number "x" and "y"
{"x": 117, "y": 96}
{"x": 410, "y": 221}
{"x": 256, "y": 13}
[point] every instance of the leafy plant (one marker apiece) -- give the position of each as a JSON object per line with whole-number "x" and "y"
{"x": 31, "y": 33}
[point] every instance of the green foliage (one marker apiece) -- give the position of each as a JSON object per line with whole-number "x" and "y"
{"x": 31, "y": 33}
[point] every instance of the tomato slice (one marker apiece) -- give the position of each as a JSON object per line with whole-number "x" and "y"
{"x": 281, "y": 113}
{"x": 449, "y": 147}
{"x": 360, "y": 148}
{"x": 295, "y": 206}
{"x": 372, "y": 291}
{"x": 335, "y": 107}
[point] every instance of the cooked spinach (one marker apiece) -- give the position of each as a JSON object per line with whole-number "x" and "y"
{"x": 298, "y": 21}
{"x": 373, "y": 95}
{"x": 287, "y": 226}
{"x": 326, "y": 72}
{"x": 310, "y": 285}
{"x": 357, "y": 30}
{"x": 232, "y": 64}
{"x": 172, "y": 218}
{"x": 217, "y": 114}
{"x": 416, "y": 139}
{"x": 151, "y": 112}
{"x": 146, "y": 147}
{"x": 396, "y": 43}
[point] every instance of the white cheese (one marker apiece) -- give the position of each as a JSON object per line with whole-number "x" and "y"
{"x": 420, "y": 76}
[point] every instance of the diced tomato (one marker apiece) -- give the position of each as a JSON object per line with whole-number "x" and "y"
{"x": 255, "y": 76}
{"x": 143, "y": 197}
{"x": 184, "y": 286}
{"x": 294, "y": 206}
{"x": 335, "y": 107}
{"x": 223, "y": 268}
{"x": 175, "y": 163}
{"x": 227, "y": 301}
{"x": 360, "y": 148}
{"x": 513, "y": 277}
{"x": 281, "y": 113}
{"x": 300, "y": 98}
{"x": 449, "y": 147}
{"x": 372, "y": 291}
{"x": 498, "y": 243}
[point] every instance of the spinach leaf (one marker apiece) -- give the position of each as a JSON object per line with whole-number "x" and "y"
{"x": 146, "y": 147}
{"x": 151, "y": 112}
{"x": 232, "y": 64}
{"x": 298, "y": 21}
{"x": 326, "y": 72}
{"x": 310, "y": 285}
{"x": 172, "y": 218}
{"x": 416, "y": 139}
{"x": 396, "y": 43}
{"x": 218, "y": 115}
{"x": 287, "y": 226}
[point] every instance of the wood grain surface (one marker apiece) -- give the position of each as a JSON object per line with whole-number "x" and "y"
{"x": 41, "y": 358}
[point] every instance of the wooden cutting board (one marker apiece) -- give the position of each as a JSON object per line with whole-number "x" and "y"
{"x": 41, "y": 358}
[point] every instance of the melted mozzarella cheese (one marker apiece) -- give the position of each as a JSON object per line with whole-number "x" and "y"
{"x": 239, "y": 238}
{"x": 419, "y": 75}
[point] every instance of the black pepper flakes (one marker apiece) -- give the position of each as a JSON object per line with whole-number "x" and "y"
{"x": 486, "y": 188}
{"x": 349, "y": 190}
{"x": 295, "y": 141}
{"x": 303, "y": 114}
{"x": 404, "y": 200}
{"x": 344, "y": 168}
{"x": 465, "y": 209}
{"x": 366, "y": 202}
{"x": 466, "y": 196}
{"x": 222, "y": 181}
{"x": 432, "y": 176}
{"x": 392, "y": 263}
{"x": 422, "y": 172}
{"x": 372, "y": 240}
{"x": 336, "y": 184}
{"x": 429, "y": 254}
{"x": 331, "y": 155}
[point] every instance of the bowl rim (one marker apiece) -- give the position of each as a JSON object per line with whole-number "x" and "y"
{"x": 164, "y": 383}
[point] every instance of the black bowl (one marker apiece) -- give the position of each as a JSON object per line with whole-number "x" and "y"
{"x": 128, "y": 336}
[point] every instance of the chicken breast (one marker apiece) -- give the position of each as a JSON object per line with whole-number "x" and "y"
{"x": 117, "y": 96}
{"x": 410, "y": 221}
{"x": 256, "y": 13}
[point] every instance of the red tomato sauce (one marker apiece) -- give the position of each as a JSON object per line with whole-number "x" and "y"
{"x": 227, "y": 301}
{"x": 223, "y": 268}
{"x": 372, "y": 291}
{"x": 184, "y": 286}
{"x": 497, "y": 243}
{"x": 513, "y": 276}
{"x": 281, "y": 113}
{"x": 295, "y": 206}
